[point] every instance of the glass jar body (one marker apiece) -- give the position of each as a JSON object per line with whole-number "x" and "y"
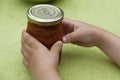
{"x": 47, "y": 35}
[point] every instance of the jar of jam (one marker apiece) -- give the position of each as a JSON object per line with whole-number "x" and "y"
{"x": 44, "y": 23}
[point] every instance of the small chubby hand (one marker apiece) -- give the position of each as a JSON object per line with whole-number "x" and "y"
{"x": 40, "y": 61}
{"x": 79, "y": 33}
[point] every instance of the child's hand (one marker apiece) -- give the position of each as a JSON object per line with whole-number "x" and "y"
{"x": 79, "y": 33}
{"x": 87, "y": 35}
{"x": 41, "y": 62}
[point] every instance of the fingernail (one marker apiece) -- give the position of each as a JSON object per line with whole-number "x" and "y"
{"x": 60, "y": 42}
{"x": 64, "y": 40}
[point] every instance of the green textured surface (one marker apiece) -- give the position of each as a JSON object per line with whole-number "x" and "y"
{"x": 78, "y": 63}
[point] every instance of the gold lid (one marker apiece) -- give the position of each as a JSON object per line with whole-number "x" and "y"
{"x": 45, "y": 15}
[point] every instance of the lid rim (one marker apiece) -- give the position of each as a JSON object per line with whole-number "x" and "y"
{"x": 42, "y": 21}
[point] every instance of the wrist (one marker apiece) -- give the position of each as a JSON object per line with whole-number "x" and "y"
{"x": 100, "y": 38}
{"x": 51, "y": 74}
{"x": 109, "y": 44}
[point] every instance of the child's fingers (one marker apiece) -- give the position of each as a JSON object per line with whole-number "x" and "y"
{"x": 25, "y": 63}
{"x": 25, "y": 54}
{"x": 25, "y": 46}
{"x": 71, "y": 37}
{"x": 30, "y": 41}
{"x": 68, "y": 26}
{"x": 56, "y": 48}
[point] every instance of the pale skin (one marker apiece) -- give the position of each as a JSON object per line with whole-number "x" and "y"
{"x": 42, "y": 63}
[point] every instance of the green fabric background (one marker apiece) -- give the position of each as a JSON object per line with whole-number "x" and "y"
{"x": 78, "y": 63}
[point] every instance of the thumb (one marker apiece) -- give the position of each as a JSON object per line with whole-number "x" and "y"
{"x": 71, "y": 37}
{"x": 56, "y": 48}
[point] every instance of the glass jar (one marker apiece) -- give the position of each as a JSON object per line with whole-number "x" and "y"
{"x": 45, "y": 23}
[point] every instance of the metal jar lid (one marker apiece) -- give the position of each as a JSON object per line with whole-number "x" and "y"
{"x": 45, "y": 15}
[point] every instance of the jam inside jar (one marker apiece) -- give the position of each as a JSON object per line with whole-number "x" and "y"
{"x": 47, "y": 35}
